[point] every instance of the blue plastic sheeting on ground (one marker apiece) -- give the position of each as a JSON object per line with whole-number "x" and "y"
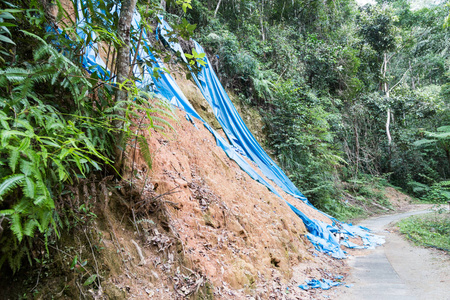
{"x": 369, "y": 240}
{"x": 324, "y": 284}
{"x": 321, "y": 235}
{"x": 351, "y": 245}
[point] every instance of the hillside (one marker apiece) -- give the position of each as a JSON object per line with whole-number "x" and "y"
{"x": 197, "y": 215}
{"x": 210, "y": 149}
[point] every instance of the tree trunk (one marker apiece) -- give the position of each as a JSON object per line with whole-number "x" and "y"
{"x": 123, "y": 52}
{"x": 447, "y": 151}
{"x": 261, "y": 21}
{"x": 357, "y": 147}
{"x": 217, "y": 8}
{"x": 386, "y": 93}
{"x": 123, "y": 68}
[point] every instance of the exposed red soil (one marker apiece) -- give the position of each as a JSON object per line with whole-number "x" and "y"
{"x": 234, "y": 231}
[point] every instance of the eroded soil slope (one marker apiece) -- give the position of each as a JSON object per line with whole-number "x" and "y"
{"x": 233, "y": 230}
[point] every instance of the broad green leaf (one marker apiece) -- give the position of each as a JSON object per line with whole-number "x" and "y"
{"x": 90, "y": 280}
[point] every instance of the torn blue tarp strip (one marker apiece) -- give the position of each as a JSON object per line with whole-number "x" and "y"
{"x": 236, "y": 130}
{"x": 324, "y": 284}
{"x": 321, "y": 235}
{"x": 232, "y": 124}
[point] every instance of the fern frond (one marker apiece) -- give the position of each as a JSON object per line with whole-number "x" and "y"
{"x": 16, "y": 226}
{"x": 15, "y": 75}
{"x": 29, "y": 188}
{"x": 5, "y": 135}
{"x": 9, "y": 183}
{"x": 27, "y": 167}
{"x": 145, "y": 151}
{"x": 29, "y": 227}
{"x": 163, "y": 122}
{"x": 34, "y": 36}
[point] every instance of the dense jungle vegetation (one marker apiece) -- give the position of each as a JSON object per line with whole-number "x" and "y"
{"x": 351, "y": 95}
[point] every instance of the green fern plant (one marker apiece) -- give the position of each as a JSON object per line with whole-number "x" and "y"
{"x": 6, "y": 17}
{"x": 55, "y": 127}
{"x": 40, "y": 148}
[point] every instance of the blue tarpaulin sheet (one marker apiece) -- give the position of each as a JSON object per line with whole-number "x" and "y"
{"x": 232, "y": 124}
{"x": 324, "y": 284}
{"x": 164, "y": 85}
{"x": 235, "y": 129}
{"x": 320, "y": 233}
{"x": 241, "y": 142}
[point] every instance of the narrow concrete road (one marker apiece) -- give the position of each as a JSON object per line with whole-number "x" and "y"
{"x": 398, "y": 270}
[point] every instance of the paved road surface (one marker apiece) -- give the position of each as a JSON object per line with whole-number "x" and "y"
{"x": 398, "y": 270}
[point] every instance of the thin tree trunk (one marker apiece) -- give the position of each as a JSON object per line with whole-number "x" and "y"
{"x": 123, "y": 69}
{"x": 261, "y": 21}
{"x": 386, "y": 93}
{"x": 355, "y": 128}
{"x": 217, "y": 8}
{"x": 123, "y": 53}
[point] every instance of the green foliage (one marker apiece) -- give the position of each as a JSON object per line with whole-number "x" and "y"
{"x": 40, "y": 147}
{"x": 441, "y": 138}
{"x": 56, "y": 128}
{"x": 196, "y": 58}
{"x": 185, "y": 4}
{"x": 301, "y": 137}
{"x": 437, "y": 192}
{"x": 378, "y": 28}
{"x": 341, "y": 210}
{"x": 6, "y": 19}
{"x": 430, "y": 230}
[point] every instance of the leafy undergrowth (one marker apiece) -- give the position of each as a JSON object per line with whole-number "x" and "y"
{"x": 431, "y": 230}
{"x": 365, "y": 197}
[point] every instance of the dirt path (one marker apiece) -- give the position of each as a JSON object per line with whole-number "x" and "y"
{"x": 398, "y": 269}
